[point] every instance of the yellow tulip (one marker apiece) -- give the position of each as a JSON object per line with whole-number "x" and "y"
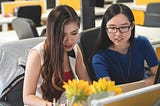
{"x": 80, "y": 90}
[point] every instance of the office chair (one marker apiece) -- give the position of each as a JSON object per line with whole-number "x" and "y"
{"x": 25, "y": 28}
{"x": 50, "y": 4}
{"x": 32, "y": 12}
{"x": 124, "y": 1}
{"x": 152, "y": 15}
{"x": 87, "y": 43}
{"x": 99, "y": 3}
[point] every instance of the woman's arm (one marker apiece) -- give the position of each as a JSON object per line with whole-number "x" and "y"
{"x": 151, "y": 59}
{"x": 140, "y": 84}
{"x": 80, "y": 66}
{"x": 150, "y": 80}
{"x": 32, "y": 74}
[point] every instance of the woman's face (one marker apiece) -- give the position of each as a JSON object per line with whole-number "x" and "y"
{"x": 71, "y": 35}
{"x": 119, "y": 29}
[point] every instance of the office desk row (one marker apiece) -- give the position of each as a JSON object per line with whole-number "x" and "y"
{"x": 152, "y": 33}
{"x": 4, "y": 21}
{"x": 133, "y": 6}
{"x": 138, "y": 11}
{"x": 11, "y": 35}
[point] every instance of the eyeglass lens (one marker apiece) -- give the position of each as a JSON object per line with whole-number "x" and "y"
{"x": 114, "y": 30}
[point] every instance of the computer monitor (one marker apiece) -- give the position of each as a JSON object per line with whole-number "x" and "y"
{"x": 146, "y": 96}
{"x": 157, "y": 78}
{"x": 50, "y": 4}
{"x": 124, "y": 1}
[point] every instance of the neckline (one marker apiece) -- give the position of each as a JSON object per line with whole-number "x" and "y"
{"x": 116, "y": 52}
{"x": 118, "y": 49}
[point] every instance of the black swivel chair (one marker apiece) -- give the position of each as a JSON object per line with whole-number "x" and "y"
{"x": 99, "y": 3}
{"x": 32, "y": 12}
{"x": 152, "y": 15}
{"x": 25, "y": 28}
{"x": 87, "y": 43}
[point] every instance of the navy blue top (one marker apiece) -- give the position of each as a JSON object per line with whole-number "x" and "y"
{"x": 116, "y": 65}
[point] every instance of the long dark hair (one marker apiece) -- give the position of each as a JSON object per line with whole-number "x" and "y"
{"x": 52, "y": 68}
{"x": 115, "y": 9}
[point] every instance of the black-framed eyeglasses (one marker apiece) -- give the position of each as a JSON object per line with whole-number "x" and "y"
{"x": 113, "y": 30}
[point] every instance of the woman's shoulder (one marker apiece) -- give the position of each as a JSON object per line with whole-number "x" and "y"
{"x": 39, "y": 49}
{"x": 39, "y": 45}
{"x": 141, "y": 38}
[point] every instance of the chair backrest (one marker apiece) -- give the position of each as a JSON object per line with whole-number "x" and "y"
{"x": 13, "y": 56}
{"x": 87, "y": 43}
{"x": 123, "y": 1}
{"x": 32, "y": 12}
{"x": 153, "y": 8}
{"x": 50, "y": 4}
{"x": 152, "y": 15}
{"x": 25, "y": 28}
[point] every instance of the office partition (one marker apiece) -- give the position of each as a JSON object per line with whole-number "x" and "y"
{"x": 8, "y": 7}
{"x": 73, "y": 3}
{"x": 145, "y": 2}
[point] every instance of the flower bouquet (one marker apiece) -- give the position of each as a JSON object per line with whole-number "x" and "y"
{"x": 79, "y": 91}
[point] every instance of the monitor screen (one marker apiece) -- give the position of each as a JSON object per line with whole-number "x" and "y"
{"x": 124, "y": 1}
{"x": 50, "y": 4}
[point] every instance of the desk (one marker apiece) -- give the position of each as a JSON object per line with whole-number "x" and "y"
{"x": 138, "y": 11}
{"x": 133, "y": 6}
{"x": 4, "y": 21}
{"x": 11, "y": 35}
{"x": 152, "y": 33}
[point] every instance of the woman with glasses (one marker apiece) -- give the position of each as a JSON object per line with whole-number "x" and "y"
{"x": 120, "y": 55}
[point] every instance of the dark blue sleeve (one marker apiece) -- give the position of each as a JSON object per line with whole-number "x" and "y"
{"x": 100, "y": 66}
{"x": 150, "y": 54}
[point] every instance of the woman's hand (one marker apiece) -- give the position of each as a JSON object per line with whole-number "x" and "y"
{"x": 49, "y": 103}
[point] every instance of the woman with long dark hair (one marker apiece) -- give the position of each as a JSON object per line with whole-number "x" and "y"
{"x": 54, "y": 61}
{"x": 120, "y": 55}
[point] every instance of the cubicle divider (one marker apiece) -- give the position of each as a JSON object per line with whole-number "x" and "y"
{"x": 8, "y": 7}
{"x": 139, "y": 16}
{"x": 145, "y": 2}
{"x": 139, "y": 13}
{"x": 73, "y": 3}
